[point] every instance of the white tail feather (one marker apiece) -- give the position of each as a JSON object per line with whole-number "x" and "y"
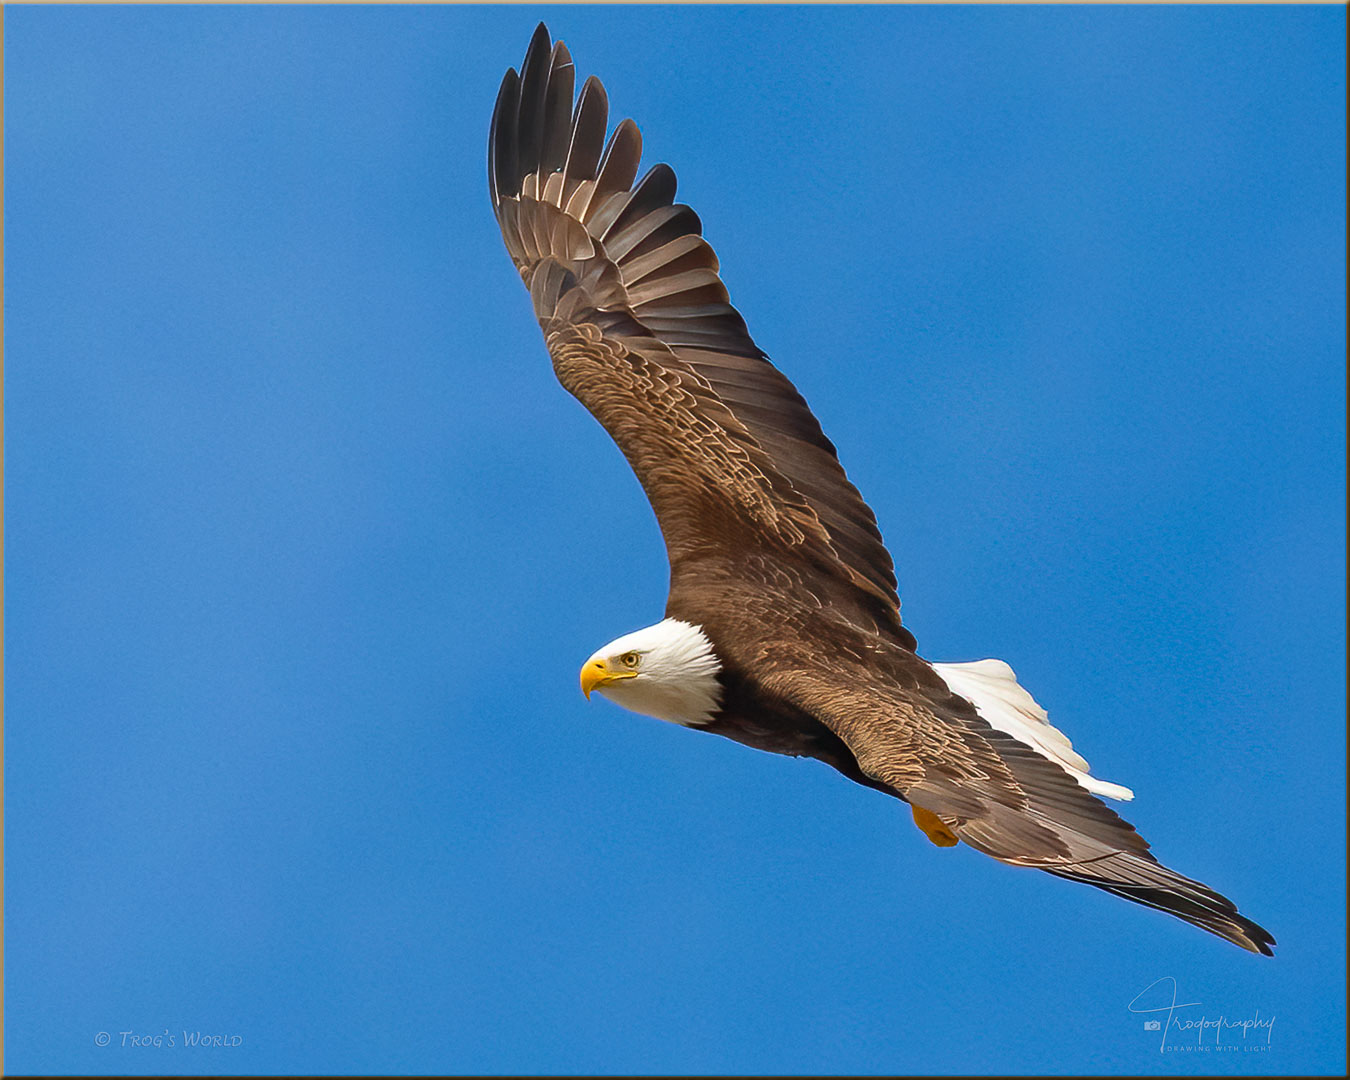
{"x": 992, "y": 687}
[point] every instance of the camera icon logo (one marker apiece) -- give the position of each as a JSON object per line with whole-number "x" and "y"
{"x": 1152, "y": 1025}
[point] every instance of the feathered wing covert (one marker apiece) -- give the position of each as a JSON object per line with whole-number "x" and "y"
{"x": 772, "y": 549}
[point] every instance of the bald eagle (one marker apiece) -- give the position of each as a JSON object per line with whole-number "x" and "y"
{"x": 782, "y": 628}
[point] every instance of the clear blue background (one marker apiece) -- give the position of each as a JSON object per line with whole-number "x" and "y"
{"x": 306, "y": 545}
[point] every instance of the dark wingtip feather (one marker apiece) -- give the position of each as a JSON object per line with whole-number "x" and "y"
{"x": 619, "y": 166}
{"x": 540, "y": 40}
{"x": 557, "y": 115}
{"x": 1259, "y": 939}
{"x": 503, "y": 177}
{"x": 533, "y": 87}
{"x": 1190, "y": 901}
{"x": 588, "y": 131}
{"x": 656, "y": 189}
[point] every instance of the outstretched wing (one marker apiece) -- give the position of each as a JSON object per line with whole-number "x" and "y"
{"x": 913, "y": 736}
{"x": 640, "y": 329}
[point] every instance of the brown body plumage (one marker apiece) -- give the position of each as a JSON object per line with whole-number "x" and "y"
{"x": 773, "y": 552}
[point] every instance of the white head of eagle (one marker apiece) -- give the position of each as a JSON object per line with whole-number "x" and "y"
{"x": 668, "y": 671}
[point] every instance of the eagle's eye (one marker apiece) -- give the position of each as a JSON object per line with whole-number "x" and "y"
{"x": 629, "y": 659}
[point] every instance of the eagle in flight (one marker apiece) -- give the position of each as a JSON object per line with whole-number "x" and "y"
{"x": 782, "y": 628}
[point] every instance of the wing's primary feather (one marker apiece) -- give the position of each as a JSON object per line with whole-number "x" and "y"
{"x": 641, "y": 330}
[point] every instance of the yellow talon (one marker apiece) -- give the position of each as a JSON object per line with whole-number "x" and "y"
{"x": 933, "y": 827}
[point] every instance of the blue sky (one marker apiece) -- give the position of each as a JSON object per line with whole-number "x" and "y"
{"x": 306, "y": 544}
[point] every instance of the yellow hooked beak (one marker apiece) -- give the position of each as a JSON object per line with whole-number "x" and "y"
{"x": 598, "y": 673}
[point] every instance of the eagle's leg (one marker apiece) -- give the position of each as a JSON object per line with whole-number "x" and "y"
{"x": 932, "y": 827}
